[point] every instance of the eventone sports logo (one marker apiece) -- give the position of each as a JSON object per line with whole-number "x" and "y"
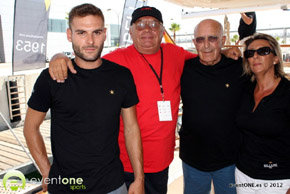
{"x": 14, "y": 184}
{"x": 14, "y": 180}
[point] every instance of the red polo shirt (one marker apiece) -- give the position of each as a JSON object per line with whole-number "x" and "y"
{"x": 158, "y": 137}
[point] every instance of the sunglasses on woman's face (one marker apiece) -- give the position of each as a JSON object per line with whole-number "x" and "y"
{"x": 261, "y": 51}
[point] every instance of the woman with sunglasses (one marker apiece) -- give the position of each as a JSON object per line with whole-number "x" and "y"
{"x": 264, "y": 120}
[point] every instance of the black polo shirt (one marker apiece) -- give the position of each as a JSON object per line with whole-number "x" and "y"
{"x": 211, "y": 97}
{"x": 85, "y": 115}
{"x": 265, "y": 149}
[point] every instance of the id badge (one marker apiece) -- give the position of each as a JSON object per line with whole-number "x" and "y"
{"x": 164, "y": 110}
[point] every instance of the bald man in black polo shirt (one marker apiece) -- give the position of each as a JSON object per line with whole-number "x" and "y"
{"x": 211, "y": 87}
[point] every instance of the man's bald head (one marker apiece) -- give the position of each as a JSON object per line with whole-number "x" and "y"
{"x": 215, "y": 24}
{"x": 209, "y": 40}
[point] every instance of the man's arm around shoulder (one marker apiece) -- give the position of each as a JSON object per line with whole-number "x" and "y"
{"x": 58, "y": 66}
{"x": 134, "y": 148}
{"x": 233, "y": 53}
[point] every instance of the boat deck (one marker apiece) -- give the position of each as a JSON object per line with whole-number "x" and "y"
{"x": 12, "y": 156}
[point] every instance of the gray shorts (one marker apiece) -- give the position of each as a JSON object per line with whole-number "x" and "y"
{"x": 120, "y": 190}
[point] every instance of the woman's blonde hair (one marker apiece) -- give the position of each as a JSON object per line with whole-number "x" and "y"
{"x": 279, "y": 72}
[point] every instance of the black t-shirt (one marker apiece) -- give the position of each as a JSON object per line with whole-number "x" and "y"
{"x": 246, "y": 30}
{"x": 85, "y": 115}
{"x": 265, "y": 149}
{"x": 211, "y": 96}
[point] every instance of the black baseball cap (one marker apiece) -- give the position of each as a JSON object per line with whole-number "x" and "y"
{"x": 146, "y": 11}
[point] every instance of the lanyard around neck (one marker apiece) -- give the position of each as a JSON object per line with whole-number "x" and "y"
{"x": 159, "y": 78}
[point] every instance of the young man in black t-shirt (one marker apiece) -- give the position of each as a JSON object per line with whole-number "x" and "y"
{"x": 85, "y": 113}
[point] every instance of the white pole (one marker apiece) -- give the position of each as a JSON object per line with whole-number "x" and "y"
{"x": 27, "y": 153}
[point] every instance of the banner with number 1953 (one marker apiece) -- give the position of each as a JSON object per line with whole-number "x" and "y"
{"x": 30, "y": 34}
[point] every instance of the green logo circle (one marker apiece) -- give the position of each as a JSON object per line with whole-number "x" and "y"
{"x": 14, "y": 173}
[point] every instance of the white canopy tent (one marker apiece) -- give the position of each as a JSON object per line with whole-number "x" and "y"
{"x": 230, "y": 4}
{"x": 217, "y": 7}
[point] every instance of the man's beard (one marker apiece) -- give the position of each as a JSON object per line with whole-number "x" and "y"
{"x": 78, "y": 53}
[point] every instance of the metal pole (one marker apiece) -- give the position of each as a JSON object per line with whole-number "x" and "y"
{"x": 119, "y": 29}
{"x": 27, "y": 153}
